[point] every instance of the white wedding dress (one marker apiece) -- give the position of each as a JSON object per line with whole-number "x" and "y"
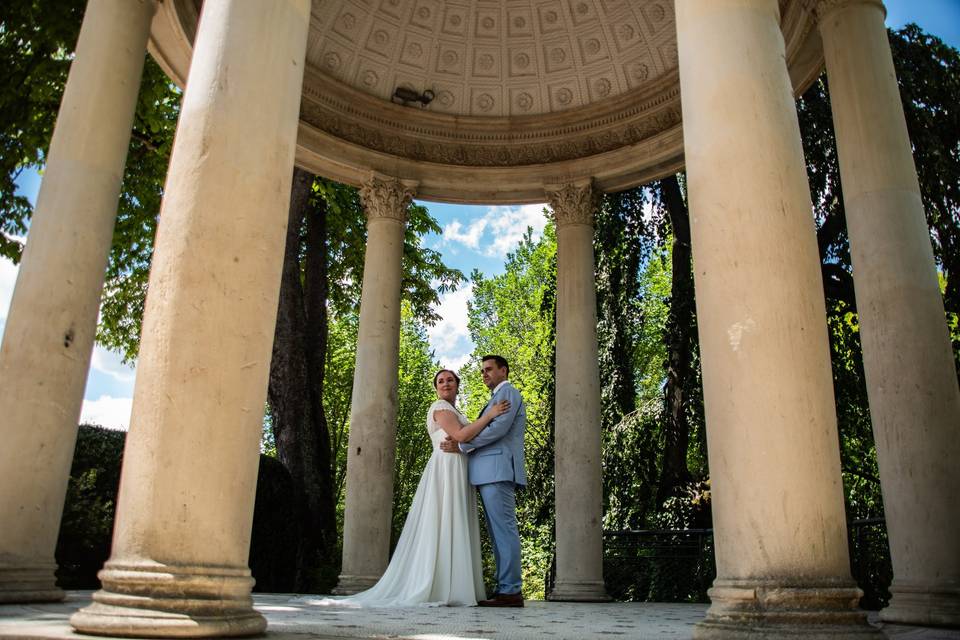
{"x": 437, "y": 559}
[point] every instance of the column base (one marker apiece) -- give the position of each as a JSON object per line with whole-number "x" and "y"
{"x": 348, "y": 585}
{"x": 926, "y": 606}
{"x": 29, "y": 583}
{"x": 579, "y": 591}
{"x": 149, "y": 599}
{"x": 740, "y": 611}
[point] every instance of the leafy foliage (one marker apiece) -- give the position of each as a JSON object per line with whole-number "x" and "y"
{"x": 86, "y": 528}
{"x": 928, "y": 72}
{"x": 125, "y": 289}
{"x": 415, "y": 395}
{"x": 37, "y": 38}
{"x": 87, "y": 524}
{"x": 928, "y": 75}
{"x": 512, "y": 314}
{"x": 631, "y": 289}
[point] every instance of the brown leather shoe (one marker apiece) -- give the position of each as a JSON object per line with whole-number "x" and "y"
{"x": 503, "y": 600}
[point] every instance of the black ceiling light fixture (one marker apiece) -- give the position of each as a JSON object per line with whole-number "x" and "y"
{"x": 405, "y": 95}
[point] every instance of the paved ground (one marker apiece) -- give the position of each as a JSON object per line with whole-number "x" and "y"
{"x": 292, "y": 618}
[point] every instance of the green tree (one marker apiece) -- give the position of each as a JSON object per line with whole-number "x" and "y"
{"x": 512, "y": 314}
{"x": 323, "y": 274}
{"x": 929, "y": 77}
{"x": 928, "y": 72}
{"x": 37, "y": 39}
{"x": 36, "y": 45}
{"x": 630, "y": 349}
{"x": 415, "y": 394}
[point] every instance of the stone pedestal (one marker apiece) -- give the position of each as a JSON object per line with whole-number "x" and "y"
{"x": 371, "y": 448}
{"x": 182, "y": 534}
{"x": 781, "y": 547}
{"x": 53, "y": 315}
{"x": 907, "y": 356}
{"x": 579, "y": 484}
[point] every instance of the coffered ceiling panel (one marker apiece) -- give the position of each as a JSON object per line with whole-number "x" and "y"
{"x": 491, "y": 57}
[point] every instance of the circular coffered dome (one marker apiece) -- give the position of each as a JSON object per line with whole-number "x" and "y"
{"x": 526, "y": 93}
{"x": 483, "y": 58}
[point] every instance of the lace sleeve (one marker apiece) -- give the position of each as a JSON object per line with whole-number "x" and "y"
{"x": 441, "y": 405}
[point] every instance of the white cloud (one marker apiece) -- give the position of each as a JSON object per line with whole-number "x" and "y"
{"x": 8, "y": 277}
{"x": 449, "y": 337}
{"x": 510, "y": 223}
{"x": 111, "y": 364}
{"x": 470, "y": 237}
{"x": 499, "y": 230}
{"x": 107, "y": 411}
{"x": 454, "y": 363}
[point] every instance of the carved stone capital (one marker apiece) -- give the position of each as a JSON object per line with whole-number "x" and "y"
{"x": 821, "y": 8}
{"x": 574, "y": 203}
{"x": 385, "y": 197}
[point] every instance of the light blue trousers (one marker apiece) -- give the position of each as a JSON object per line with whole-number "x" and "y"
{"x": 500, "y": 509}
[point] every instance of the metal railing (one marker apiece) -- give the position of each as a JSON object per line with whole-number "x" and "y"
{"x": 678, "y": 565}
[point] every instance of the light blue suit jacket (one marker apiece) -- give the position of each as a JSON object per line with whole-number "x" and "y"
{"x": 496, "y": 453}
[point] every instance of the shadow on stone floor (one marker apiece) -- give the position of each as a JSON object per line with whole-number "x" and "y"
{"x": 294, "y": 618}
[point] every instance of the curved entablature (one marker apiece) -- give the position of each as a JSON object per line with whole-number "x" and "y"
{"x": 602, "y": 100}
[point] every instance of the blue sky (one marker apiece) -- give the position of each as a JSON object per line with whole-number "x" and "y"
{"x": 473, "y": 237}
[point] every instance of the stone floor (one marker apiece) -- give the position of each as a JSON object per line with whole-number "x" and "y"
{"x": 293, "y": 619}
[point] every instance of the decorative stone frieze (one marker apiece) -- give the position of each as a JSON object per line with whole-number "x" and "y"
{"x": 350, "y": 115}
{"x": 574, "y": 203}
{"x": 821, "y": 8}
{"x": 385, "y": 197}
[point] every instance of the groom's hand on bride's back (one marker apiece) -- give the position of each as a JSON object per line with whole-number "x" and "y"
{"x": 450, "y": 445}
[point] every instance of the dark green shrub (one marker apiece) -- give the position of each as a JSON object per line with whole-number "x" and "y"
{"x": 86, "y": 529}
{"x": 276, "y": 529}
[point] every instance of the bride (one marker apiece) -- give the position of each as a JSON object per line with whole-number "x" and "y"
{"x": 437, "y": 559}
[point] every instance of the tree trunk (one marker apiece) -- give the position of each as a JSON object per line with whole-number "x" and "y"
{"x": 295, "y": 391}
{"x": 674, "y": 473}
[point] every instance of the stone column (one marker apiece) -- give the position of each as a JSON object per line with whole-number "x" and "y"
{"x": 371, "y": 451}
{"x": 779, "y": 525}
{"x": 579, "y": 485}
{"x": 907, "y": 356}
{"x": 53, "y": 315}
{"x": 182, "y": 534}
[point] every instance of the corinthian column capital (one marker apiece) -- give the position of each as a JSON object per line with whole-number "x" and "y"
{"x": 821, "y": 8}
{"x": 385, "y": 197}
{"x": 574, "y": 203}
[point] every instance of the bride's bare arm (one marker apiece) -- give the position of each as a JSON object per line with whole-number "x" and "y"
{"x": 448, "y": 422}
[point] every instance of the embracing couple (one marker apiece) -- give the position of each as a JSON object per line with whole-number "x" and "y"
{"x": 437, "y": 559}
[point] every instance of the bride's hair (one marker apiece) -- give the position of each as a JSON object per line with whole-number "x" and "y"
{"x": 437, "y": 375}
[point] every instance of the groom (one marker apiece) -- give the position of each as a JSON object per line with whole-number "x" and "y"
{"x": 496, "y": 469}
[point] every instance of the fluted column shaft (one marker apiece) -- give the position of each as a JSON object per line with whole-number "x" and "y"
{"x": 181, "y": 541}
{"x": 49, "y": 334}
{"x": 371, "y": 449}
{"x": 779, "y": 525}
{"x": 907, "y": 356}
{"x": 578, "y": 472}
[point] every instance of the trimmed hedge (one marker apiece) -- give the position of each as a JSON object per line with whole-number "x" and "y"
{"x": 86, "y": 529}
